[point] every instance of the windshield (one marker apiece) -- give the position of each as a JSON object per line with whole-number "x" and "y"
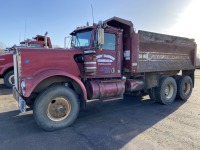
{"x": 30, "y": 45}
{"x": 34, "y": 45}
{"x": 81, "y": 38}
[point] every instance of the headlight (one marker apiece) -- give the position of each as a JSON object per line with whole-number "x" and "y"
{"x": 23, "y": 86}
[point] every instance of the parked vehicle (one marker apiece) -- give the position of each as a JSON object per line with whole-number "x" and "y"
{"x": 106, "y": 61}
{"x": 198, "y": 61}
{"x": 6, "y": 59}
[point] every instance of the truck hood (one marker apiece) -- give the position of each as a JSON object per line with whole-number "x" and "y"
{"x": 6, "y": 58}
{"x": 35, "y": 61}
{"x": 6, "y": 55}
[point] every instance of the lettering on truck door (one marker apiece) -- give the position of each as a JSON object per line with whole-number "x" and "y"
{"x": 107, "y": 58}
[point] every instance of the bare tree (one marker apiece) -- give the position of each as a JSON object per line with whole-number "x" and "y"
{"x": 2, "y": 47}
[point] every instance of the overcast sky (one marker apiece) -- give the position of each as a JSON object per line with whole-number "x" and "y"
{"x": 59, "y": 18}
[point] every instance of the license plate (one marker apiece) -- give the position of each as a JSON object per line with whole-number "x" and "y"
{"x": 22, "y": 104}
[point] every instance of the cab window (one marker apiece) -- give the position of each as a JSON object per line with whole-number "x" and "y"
{"x": 109, "y": 41}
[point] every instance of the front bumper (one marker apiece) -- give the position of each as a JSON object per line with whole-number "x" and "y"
{"x": 20, "y": 100}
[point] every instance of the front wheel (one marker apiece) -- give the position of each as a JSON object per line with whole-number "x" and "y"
{"x": 56, "y": 108}
{"x": 9, "y": 79}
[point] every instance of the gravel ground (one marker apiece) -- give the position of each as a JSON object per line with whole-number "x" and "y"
{"x": 132, "y": 123}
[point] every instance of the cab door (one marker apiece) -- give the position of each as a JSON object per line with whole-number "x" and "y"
{"x": 109, "y": 58}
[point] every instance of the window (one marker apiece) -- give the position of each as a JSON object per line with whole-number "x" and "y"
{"x": 34, "y": 45}
{"x": 81, "y": 38}
{"x": 109, "y": 41}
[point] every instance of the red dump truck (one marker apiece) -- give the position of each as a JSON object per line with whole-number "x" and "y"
{"x": 105, "y": 61}
{"x": 6, "y": 59}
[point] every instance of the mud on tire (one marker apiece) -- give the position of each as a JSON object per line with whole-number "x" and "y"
{"x": 56, "y": 108}
{"x": 184, "y": 87}
{"x": 9, "y": 79}
{"x": 166, "y": 92}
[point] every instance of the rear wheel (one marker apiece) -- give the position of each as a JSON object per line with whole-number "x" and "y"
{"x": 184, "y": 87}
{"x": 56, "y": 108}
{"x": 166, "y": 92}
{"x": 9, "y": 79}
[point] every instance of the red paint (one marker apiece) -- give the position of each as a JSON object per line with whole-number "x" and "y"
{"x": 32, "y": 82}
{"x": 90, "y": 63}
{"x": 105, "y": 89}
{"x": 46, "y": 59}
{"x": 39, "y": 40}
{"x": 134, "y": 85}
{"x": 101, "y": 71}
{"x": 6, "y": 60}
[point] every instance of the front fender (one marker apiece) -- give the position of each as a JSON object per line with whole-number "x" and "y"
{"x": 32, "y": 82}
{"x": 3, "y": 68}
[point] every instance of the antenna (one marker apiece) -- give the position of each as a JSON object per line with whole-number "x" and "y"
{"x": 25, "y": 30}
{"x": 92, "y": 14}
{"x": 19, "y": 38}
{"x": 65, "y": 40}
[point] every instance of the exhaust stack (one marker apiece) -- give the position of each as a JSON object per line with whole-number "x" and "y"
{"x": 65, "y": 42}
{"x": 45, "y": 40}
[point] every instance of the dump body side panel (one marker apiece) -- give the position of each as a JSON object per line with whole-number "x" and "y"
{"x": 159, "y": 52}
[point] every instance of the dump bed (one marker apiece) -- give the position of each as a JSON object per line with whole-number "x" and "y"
{"x": 159, "y": 52}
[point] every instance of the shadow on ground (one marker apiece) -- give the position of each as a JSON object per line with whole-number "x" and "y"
{"x": 109, "y": 125}
{"x": 4, "y": 90}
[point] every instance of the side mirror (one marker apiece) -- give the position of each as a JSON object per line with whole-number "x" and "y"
{"x": 100, "y": 36}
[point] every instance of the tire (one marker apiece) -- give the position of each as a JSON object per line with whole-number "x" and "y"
{"x": 56, "y": 108}
{"x": 9, "y": 79}
{"x": 166, "y": 92}
{"x": 184, "y": 87}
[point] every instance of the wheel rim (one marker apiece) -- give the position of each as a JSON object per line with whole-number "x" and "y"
{"x": 58, "y": 109}
{"x": 169, "y": 90}
{"x": 186, "y": 88}
{"x": 11, "y": 80}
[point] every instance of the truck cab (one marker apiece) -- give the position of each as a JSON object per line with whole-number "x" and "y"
{"x": 38, "y": 41}
{"x": 101, "y": 60}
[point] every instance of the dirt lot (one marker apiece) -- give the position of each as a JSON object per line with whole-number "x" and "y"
{"x": 132, "y": 123}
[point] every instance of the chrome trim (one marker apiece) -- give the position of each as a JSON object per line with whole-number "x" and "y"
{"x": 90, "y": 67}
{"x": 15, "y": 70}
{"x": 90, "y": 62}
{"x": 89, "y": 52}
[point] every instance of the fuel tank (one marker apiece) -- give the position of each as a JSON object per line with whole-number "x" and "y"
{"x": 133, "y": 85}
{"x": 98, "y": 89}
